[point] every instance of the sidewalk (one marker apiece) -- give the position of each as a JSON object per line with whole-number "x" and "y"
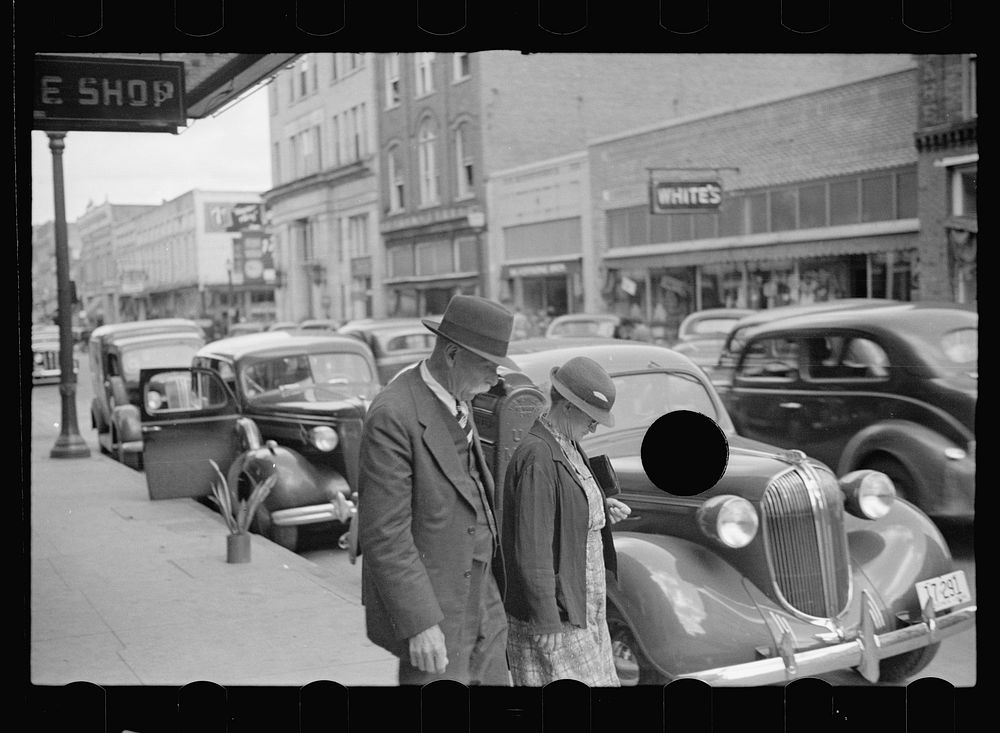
{"x": 128, "y": 591}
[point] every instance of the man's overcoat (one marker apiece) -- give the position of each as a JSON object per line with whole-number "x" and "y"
{"x": 417, "y": 518}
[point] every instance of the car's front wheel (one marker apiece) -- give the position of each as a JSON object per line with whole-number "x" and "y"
{"x": 287, "y": 537}
{"x": 630, "y": 663}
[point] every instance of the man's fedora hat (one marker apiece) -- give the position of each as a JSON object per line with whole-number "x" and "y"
{"x": 478, "y": 325}
{"x": 585, "y": 384}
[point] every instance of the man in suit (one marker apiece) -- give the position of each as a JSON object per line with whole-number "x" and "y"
{"x": 432, "y": 574}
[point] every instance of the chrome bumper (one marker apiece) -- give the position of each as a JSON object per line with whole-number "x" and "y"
{"x": 340, "y": 509}
{"x": 864, "y": 652}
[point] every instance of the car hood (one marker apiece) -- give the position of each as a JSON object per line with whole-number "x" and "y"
{"x": 750, "y": 468}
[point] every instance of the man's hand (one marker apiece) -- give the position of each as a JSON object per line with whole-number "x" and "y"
{"x": 427, "y": 650}
{"x": 617, "y": 509}
{"x": 548, "y": 642}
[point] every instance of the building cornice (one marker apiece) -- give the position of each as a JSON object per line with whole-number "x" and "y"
{"x": 951, "y": 135}
{"x": 341, "y": 174}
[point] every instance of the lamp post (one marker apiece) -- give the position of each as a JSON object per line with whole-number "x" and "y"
{"x": 69, "y": 444}
{"x": 229, "y": 298}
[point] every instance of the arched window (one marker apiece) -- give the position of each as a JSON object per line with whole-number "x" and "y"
{"x": 397, "y": 186}
{"x": 463, "y": 162}
{"x": 427, "y": 163}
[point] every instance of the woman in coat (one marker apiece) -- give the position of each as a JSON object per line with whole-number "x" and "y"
{"x": 556, "y": 538}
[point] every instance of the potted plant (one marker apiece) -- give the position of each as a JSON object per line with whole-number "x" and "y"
{"x": 238, "y": 512}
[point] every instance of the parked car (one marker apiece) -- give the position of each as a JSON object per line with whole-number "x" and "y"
{"x": 319, "y": 324}
{"x": 722, "y": 372}
{"x": 605, "y": 325}
{"x": 291, "y": 403}
{"x": 45, "y": 367}
{"x": 702, "y": 334}
{"x": 117, "y": 353}
{"x": 779, "y": 571}
{"x": 395, "y": 342}
{"x": 890, "y": 388}
{"x": 239, "y": 329}
{"x": 283, "y": 326}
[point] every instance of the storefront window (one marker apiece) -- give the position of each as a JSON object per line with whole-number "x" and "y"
{"x": 401, "y": 262}
{"x": 722, "y": 287}
{"x": 906, "y": 195}
{"x": 756, "y": 213}
{"x": 823, "y": 279}
{"x": 876, "y": 198}
{"x": 782, "y": 210}
{"x": 892, "y": 274}
{"x": 659, "y": 228}
{"x": 812, "y": 206}
{"x": 672, "y": 298}
{"x": 844, "y": 202}
{"x": 625, "y": 293}
{"x": 468, "y": 254}
{"x": 731, "y": 216}
{"x": 403, "y": 303}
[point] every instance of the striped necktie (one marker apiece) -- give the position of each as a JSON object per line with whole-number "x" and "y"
{"x": 463, "y": 421}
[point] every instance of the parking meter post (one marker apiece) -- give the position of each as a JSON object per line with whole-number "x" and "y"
{"x": 69, "y": 444}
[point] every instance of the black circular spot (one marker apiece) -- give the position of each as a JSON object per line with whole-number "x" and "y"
{"x": 684, "y": 453}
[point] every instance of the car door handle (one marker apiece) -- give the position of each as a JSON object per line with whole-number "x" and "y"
{"x": 151, "y": 428}
{"x": 791, "y": 405}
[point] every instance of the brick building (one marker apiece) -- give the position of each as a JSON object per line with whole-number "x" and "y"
{"x": 819, "y": 202}
{"x": 948, "y": 157}
{"x": 447, "y": 123}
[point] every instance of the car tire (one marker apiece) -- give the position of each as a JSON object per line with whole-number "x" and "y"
{"x": 902, "y": 479}
{"x": 905, "y": 666}
{"x": 287, "y": 537}
{"x": 630, "y": 663}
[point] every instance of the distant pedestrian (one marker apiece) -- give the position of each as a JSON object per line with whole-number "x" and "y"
{"x": 557, "y": 538}
{"x": 432, "y": 574}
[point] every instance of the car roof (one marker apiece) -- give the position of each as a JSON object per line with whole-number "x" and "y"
{"x": 786, "y": 311}
{"x": 716, "y": 312}
{"x": 140, "y": 339}
{"x": 536, "y": 355}
{"x": 897, "y": 317}
{"x": 276, "y": 343}
{"x": 371, "y": 324}
{"x": 148, "y": 326}
{"x": 586, "y": 317}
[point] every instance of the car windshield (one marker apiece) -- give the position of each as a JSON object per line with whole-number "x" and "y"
{"x": 287, "y": 375}
{"x": 149, "y": 356}
{"x": 643, "y": 397}
{"x": 602, "y": 328}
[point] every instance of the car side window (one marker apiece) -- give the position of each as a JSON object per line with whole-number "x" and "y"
{"x": 845, "y": 358}
{"x": 771, "y": 359}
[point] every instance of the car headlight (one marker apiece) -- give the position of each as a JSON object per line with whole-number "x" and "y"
{"x": 324, "y": 438}
{"x": 730, "y": 520}
{"x": 870, "y": 494}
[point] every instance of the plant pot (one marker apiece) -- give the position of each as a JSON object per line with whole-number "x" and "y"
{"x": 238, "y": 547}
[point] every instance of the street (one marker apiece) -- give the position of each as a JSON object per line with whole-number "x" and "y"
{"x": 954, "y": 663}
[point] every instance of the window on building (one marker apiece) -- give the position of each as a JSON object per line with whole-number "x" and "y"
{"x": 397, "y": 186}
{"x": 392, "y": 90}
{"x": 969, "y": 106}
{"x": 756, "y": 213}
{"x": 783, "y": 206}
{"x": 401, "y": 262}
{"x": 334, "y": 67}
{"x": 468, "y": 254}
{"x": 844, "y": 202}
{"x": 460, "y": 66}
{"x": 876, "y": 198}
{"x": 427, "y": 164}
{"x": 272, "y": 98}
{"x": 906, "y": 195}
{"x": 357, "y": 235}
{"x": 358, "y": 141}
{"x": 659, "y": 227}
{"x": 435, "y": 258}
{"x": 306, "y": 72}
{"x": 731, "y": 216}
{"x": 812, "y": 206}
{"x": 424, "y": 71}
{"x": 963, "y": 192}
{"x": 276, "y": 163}
{"x": 463, "y": 162}
{"x": 354, "y": 61}
{"x": 335, "y": 154}
{"x": 302, "y": 235}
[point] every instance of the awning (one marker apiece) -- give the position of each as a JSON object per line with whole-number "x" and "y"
{"x": 760, "y": 253}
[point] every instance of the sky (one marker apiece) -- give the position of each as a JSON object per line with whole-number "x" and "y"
{"x": 227, "y": 152}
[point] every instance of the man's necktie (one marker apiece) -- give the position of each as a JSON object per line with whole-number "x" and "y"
{"x": 463, "y": 421}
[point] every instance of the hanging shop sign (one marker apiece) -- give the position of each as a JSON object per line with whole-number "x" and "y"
{"x": 678, "y": 197}
{"x": 108, "y": 94}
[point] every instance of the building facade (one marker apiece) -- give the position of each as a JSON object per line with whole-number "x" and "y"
{"x": 44, "y": 284}
{"x": 449, "y": 122}
{"x": 948, "y": 158}
{"x": 322, "y": 209}
{"x": 101, "y": 229}
{"x": 819, "y": 201}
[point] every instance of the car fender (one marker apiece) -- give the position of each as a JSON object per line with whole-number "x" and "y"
{"x": 299, "y": 482}
{"x": 687, "y": 607}
{"x": 126, "y": 423}
{"x": 919, "y": 449}
{"x": 896, "y": 551}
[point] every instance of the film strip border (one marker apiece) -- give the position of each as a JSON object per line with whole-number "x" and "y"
{"x": 522, "y": 21}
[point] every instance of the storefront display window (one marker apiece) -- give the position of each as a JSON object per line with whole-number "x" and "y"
{"x": 672, "y": 298}
{"x": 892, "y": 274}
{"x": 876, "y": 198}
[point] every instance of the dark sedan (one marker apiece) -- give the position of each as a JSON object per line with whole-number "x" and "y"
{"x": 781, "y": 570}
{"x": 891, "y": 388}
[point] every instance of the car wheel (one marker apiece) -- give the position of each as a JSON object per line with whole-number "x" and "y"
{"x": 905, "y": 666}
{"x": 630, "y": 663}
{"x": 287, "y": 537}
{"x": 905, "y": 485}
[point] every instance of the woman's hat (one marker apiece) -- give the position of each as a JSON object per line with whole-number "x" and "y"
{"x": 478, "y": 325}
{"x": 585, "y": 384}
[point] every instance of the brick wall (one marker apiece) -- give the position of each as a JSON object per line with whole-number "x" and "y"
{"x": 942, "y": 78}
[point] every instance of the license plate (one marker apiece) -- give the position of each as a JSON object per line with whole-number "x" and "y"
{"x": 945, "y": 591}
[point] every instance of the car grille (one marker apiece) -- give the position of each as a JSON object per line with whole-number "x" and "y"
{"x": 803, "y": 521}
